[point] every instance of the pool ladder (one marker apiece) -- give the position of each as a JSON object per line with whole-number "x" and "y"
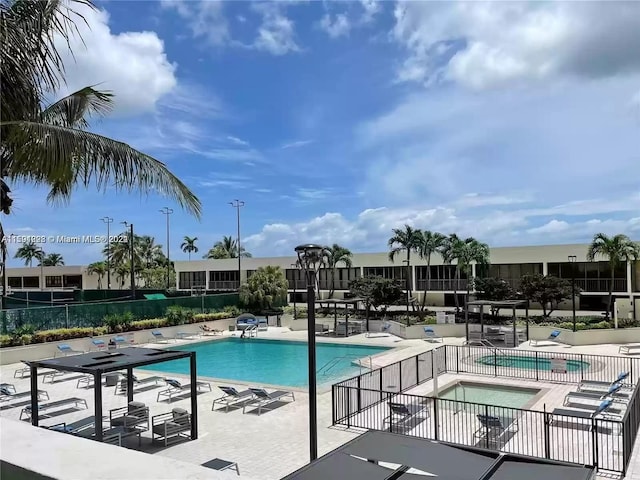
{"x": 252, "y": 331}
{"x": 327, "y": 367}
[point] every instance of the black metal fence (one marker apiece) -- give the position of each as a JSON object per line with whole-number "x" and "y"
{"x": 605, "y": 442}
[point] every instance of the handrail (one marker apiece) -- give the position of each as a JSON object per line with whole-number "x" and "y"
{"x": 323, "y": 370}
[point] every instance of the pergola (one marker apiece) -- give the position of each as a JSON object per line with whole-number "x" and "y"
{"x": 389, "y": 456}
{"x": 100, "y": 363}
{"x": 345, "y": 302}
{"x": 510, "y": 304}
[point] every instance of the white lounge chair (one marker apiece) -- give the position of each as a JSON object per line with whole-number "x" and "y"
{"x": 431, "y": 335}
{"x": 158, "y": 337}
{"x": 177, "y": 388}
{"x": 552, "y": 338}
{"x": 629, "y": 349}
{"x": 65, "y": 349}
{"x": 231, "y": 398}
{"x": 596, "y": 385}
{"x": 264, "y": 399}
{"x": 577, "y": 398}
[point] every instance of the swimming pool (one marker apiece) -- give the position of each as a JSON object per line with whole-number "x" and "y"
{"x": 489, "y": 394}
{"x": 528, "y": 362}
{"x": 276, "y": 362}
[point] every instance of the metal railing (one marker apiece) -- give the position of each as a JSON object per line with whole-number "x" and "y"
{"x": 449, "y": 284}
{"x": 223, "y": 285}
{"x": 605, "y": 443}
{"x": 601, "y": 284}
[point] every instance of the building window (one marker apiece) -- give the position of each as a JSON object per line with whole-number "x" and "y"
{"x": 53, "y": 281}
{"x": 72, "y": 281}
{"x": 14, "y": 282}
{"x": 30, "y": 282}
{"x": 224, "y": 276}
{"x": 189, "y": 280}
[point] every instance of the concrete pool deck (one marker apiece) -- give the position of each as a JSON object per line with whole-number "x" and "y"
{"x": 269, "y": 446}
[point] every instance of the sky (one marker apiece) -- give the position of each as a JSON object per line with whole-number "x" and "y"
{"x": 517, "y": 123}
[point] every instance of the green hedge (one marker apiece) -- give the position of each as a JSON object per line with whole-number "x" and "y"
{"x": 86, "y": 315}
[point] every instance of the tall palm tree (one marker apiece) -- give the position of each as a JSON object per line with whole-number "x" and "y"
{"x": 617, "y": 250}
{"x": 430, "y": 243}
{"x": 336, "y": 254}
{"x": 464, "y": 253}
{"x": 28, "y": 252}
{"x": 189, "y": 245}
{"x": 122, "y": 271}
{"x": 53, "y": 260}
{"x": 406, "y": 240}
{"x": 98, "y": 268}
{"x": 150, "y": 253}
{"x": 226, "y": 248}
{"x": 50, "y": 144}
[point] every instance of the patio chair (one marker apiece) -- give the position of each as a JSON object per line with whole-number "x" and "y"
{"x": 22, "y": 371}
{"x": 7, "y": 393}
{"x": 8, "y": 387}
{"x": 208, "y": 331}
{"x": 596, "y": 385}
{"x": 264, "y": 399}
{"x": 403, "y": 415}
{"x": 431, "y": 335}
{"x": 613, "y": 393}
{"x": 231, "y": 398}
{"x": 384, "y": 331}
{"x": 65, "y": 349}
{"x": 321, "y": 329}
{"x": 177, "y": 388}
{"x": 171, "y": 427}
{"x": 118, "y": 341}
{"x": 629, "y": 349}
{"x": 158, "y": 337}
{"x": 121, "y": 386}
{"x": 98, "y": 344}
{"x": 601, "y": 410}
{"x": 552, "y": 338}
{"x": 493, "y": 428}
{"x": 135, "y": 414}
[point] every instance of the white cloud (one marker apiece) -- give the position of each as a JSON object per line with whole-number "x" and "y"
{"x": 371, "y": 9}
{"x": 552, "y": 227}
{"x": 133, "y": 65}
{"x": 296, "y": 144}
{"x": 336, "y": 27}
{"x": 204, "y": 18}
{"x": 276, "y": 34}
{"x": 495, "y": 43}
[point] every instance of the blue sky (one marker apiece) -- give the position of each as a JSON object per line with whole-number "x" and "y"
{"x": 516, "y": 123}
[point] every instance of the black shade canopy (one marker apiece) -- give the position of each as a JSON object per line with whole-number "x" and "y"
{"x": 361, "y": 459}
{"x": 110, "y": 361}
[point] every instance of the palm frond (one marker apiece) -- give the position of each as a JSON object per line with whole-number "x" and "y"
{"x": 74, "y": 110}
{"x": 46, "y": 154}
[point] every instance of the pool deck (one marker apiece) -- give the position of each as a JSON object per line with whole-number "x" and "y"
{"x": 269, "y": 446}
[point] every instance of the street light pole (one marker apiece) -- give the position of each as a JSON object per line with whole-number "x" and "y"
{"x": 237, "y": 204}
{"x": 295, "y": 281}
{"x": 572, "y": 261}
{"x": 309, "y": 259}
{"x": 408, "y": 284}
{"x": 131, "y": 252}
{"x": 108, "y": 221}
{"x": 168, "y": 211}
{"x": 40, "y": 254}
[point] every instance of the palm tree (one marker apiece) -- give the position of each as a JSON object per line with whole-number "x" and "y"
{"x": 226, "y": 248}
{"x": 150, "y": 253}
{"x": 406, "y": 240}
{"x": 98, "y": 268}
{"x": 617, "y": 250}
{"x": 53, "y": 260}
{"x": 465, "y": 253}
{"x": 122, "y": 272}
{"x": 335, "y": 255}
{"x": 430, "y": 243}
{"x": 50, "y": 144}
{"x": 28, "y": 252}
{"x": 189, "y": 245}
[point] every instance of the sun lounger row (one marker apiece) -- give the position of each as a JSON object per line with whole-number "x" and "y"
{"x": 257, "y": 399}
{"x": 43, "y": 407}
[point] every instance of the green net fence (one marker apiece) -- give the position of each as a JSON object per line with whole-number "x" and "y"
{"x": 92, "y": 314}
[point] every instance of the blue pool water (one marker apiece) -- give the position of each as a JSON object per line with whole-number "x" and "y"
{"x": 269, "y": 361}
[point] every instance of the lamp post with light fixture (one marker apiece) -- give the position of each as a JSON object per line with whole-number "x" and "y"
{"x": 131, "y": 252}
{"x": 295, "y": 281}
{"x": 168, "y": 211}
{"x": 108, "y": 221}
{"x": 572, "y": 261}
{"x": 310, "y": 259}
{"x": 237, "y": 204}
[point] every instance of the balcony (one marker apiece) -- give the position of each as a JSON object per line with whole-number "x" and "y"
{"x": 448, "y": 284}
{"x": 601, "y": 284}
{"x": 223, "y": 285}
{"x": 297, "y": 284}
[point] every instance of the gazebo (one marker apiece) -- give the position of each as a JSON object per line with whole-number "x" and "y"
{"x": 344, "y": 302}
{"x": 99, "y": 363}
{"x": 389, "y": 456}
{"x": 493, "y": 304}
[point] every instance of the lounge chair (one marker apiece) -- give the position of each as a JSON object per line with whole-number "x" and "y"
{"x": 65, "y": 349}
{"x": 53, "y": 374}
{"x": 207, "y": 331}
{"x": 8, "y": 387}
{"x": 187, "y": 335}
{"x": 573, "y": 398}
{"x": 119, "y": 341}
{"x": 177, "y": 388}
{"x": 135, "y": 414}
{"x": 629, "y": 349}
{"x": 492, "y": 428}
{"x": 23, "y": 371}
{"x": 595, "y": 385}
{"x": 321, "y": 329}
{"x": 98, "y": 344}
{"x": 232, "y": 398}
{"x": 403, "y": 416}
{"x": 384, "y": 331}
{"x": 264, "y": 399}
{"x": 121, "y": 386}
{"x": 431, "y": 335}
{"x": 601, "y": 410}
{"x": 222, "y": 465}
{"x": 172, "y": 426}
{"x": 58, "y": 403}
{"x": 7, "y": 394}
{"x": 552, "y": 338}
{"x": 158, "y": 337}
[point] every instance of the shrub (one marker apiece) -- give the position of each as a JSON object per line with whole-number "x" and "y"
{"x": 118, "y": 322}
{"x": 207, "y": 317}
{"x": 569, "y": 325}
{"x": 301, "y": 312}
{"x": 149, "y": 323}
{"x": 601, "y": 324}
{"x": 177, "y": 315}
{"x": 65, "y": 334}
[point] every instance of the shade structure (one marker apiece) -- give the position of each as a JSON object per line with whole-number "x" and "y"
{"x": 101, "y": 362}
{"x": 390, "y": 456}
{"x": 510, "y": 304}
{"x": 345, "y": 302}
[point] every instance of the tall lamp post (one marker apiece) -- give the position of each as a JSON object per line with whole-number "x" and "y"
{"x": 309, "y": 259}
{"x": 40, "y": 256}
{"x": 168, "y": 211}
{"x": 131, "y": 252}
{"x": 408, "y": 282}
{"x": 295, "y": 281}
{"x": 108, "y": 221}
{"x": 237, "y": 204}
{"x": 572, "y": 261}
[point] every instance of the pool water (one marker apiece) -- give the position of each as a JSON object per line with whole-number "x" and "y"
{"x": 273, "y": 362}
{"x": 527, "y": 362}
{"x": 497, "y": 395}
